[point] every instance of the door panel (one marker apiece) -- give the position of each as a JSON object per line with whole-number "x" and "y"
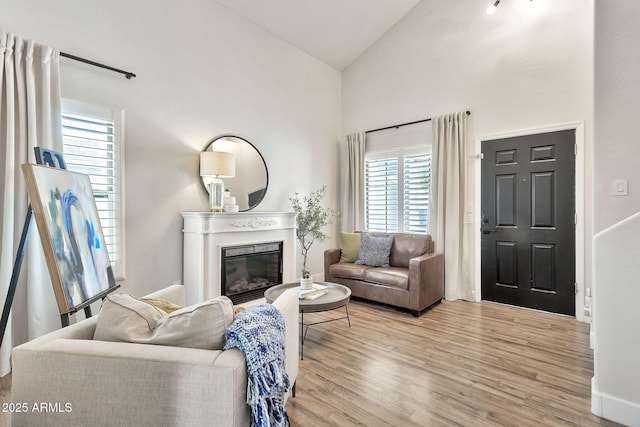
{"x": 528, "y": 226}
{"x": 506, "y": 200}
{"x": 507, "y": 256}
{"x": 542, "y": 200}
{"x": 543, "y": 267}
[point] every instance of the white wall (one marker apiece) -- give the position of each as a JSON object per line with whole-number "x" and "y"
{"x": 615, "y": 392}
{"x": 617, "y": 106}
{"x": 616, "y": 326}
{"x": 528, "y": 66}
{"x": 202, "y": 72}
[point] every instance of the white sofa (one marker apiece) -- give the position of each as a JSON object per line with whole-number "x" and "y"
{"x": 66, "y": 378}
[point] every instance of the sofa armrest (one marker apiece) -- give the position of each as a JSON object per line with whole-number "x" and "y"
{"x": 426, "y": 280}
{"x": 114, "y": 383}
{"x": 331, "y": 256}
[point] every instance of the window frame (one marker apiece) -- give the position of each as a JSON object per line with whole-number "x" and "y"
{"x": 399, "y": 154}
{"x": 115, "y": 115}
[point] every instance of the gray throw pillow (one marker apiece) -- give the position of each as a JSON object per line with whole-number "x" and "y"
{"x": 374, "y": 251}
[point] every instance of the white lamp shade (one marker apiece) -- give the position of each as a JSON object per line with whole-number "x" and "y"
{"x": 217, "y": 163}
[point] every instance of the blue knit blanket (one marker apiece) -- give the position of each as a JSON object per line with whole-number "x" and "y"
{"x": 259, "y": 333}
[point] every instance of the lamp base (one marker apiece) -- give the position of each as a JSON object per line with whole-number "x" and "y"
{"x": 216, "y": 194}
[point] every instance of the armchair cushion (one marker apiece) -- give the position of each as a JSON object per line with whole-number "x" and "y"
{"x": 128, "y": 319}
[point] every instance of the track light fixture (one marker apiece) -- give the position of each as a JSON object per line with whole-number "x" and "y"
{"x": 492, "y": 7}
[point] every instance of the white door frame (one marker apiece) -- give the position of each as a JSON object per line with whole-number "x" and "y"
{"x": 579, "y": 207}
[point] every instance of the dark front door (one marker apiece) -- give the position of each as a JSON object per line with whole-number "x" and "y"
{"x": 528, "y": 221}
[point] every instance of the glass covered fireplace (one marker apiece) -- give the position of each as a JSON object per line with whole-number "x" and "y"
{"x": 249, "y": 270}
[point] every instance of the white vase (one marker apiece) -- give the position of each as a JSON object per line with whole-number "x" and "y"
{"x": 306, "y": 283}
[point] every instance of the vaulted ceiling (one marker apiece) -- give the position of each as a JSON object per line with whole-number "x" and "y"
{"x": 333, "y": 31}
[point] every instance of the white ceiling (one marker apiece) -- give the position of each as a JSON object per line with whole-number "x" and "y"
{"x": 334, "y": 31}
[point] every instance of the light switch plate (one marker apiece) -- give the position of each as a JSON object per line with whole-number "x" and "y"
{"x": 621, "y": 187}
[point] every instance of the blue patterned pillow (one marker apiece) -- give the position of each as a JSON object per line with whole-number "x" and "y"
{"x": 374, "y": 251}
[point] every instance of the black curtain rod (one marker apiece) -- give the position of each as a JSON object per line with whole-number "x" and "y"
{"x": 127, "y": 74}
{"x": 404, "y": 124}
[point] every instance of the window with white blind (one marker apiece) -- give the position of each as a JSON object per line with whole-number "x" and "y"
{"x": 92, "y": 139}
{"x": 397, "y": 189}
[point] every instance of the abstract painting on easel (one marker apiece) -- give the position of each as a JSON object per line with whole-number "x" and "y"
{"x": 72, "y": 239}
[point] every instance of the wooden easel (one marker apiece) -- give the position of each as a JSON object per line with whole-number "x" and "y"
{"x": 47, "y": 158}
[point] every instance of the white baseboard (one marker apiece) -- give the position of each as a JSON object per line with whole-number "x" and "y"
{"x": 613, "y": 408}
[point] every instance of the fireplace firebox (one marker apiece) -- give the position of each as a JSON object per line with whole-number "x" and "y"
{"x": 249, "y": 270}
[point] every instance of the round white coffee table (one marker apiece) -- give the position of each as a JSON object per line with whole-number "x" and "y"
{"x": 337, "y": 296}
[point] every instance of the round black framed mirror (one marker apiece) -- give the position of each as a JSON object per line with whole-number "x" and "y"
{"x": 249, "y": 185}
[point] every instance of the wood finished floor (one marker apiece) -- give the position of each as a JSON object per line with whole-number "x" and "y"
{"x": 5, "y": 391}
{"x": 460, "y": 363}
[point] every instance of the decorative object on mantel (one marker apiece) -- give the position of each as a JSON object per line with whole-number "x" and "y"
{"x": 249, "y": 185}
{"x": 229, "y": 202}
{"x": 213, "y": 166}
{"x": 311, "y": 218}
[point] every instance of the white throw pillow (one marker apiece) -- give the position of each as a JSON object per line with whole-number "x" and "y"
{"x": 125, "y": 318}
{"x": 197, "y": 326}
{"x": 128, "y": 319}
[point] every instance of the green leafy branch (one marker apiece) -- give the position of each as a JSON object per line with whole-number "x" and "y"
{"x": 311, "y": 218}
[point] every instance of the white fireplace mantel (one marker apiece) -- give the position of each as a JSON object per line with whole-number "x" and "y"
{"x": 206, "y": 233}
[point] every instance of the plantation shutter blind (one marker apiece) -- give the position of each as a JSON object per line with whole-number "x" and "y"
{"x": 397, "y": 191}
{"x": 417, "y": 183}
{"x": 90, "y": 148}
{"x": 381, "y": 193}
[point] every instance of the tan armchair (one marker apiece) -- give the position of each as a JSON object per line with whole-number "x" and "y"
{"x": 84, "y": 382}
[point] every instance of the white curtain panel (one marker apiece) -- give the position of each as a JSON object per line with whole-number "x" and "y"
{"x": 29, "y": 117}
{"x": 352, "y": 187}
{"x": 448, "y": 202}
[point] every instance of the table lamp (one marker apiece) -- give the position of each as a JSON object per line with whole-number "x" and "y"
{"x": 213, "y": 166}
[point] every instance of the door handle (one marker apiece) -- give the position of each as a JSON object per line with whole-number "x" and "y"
{"x": 485, "y": 223}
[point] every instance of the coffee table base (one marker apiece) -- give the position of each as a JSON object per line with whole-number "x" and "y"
{"x": 337, "y": 296}
{"x": 305, "y": 327}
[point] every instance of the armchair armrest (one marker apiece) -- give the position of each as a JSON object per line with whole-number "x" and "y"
{"x": 426, "y": 280}
{"x": 116, "y": 383}
{"x": 173, "y": 293}
{"x": 287, "y": 303}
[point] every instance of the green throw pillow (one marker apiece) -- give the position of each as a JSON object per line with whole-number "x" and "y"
{"x": 349, "y": 246}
